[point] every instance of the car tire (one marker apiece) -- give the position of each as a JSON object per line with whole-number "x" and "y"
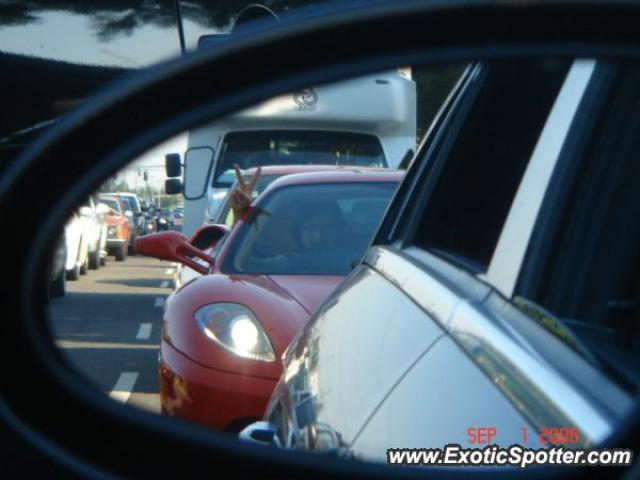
{"x": 84, "y": 268}
{"x": 74, "y": 273}
{"x": 58, "y": 287}
{"x": 121, "y": 254}
{"x": 94, "y": 259}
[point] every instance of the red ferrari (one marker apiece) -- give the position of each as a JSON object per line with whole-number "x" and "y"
{"x": 224, "y": 332}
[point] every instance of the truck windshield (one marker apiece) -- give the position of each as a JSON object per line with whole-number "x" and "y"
{"x": 112, "y": 204}
{"x": 295, "y": 147}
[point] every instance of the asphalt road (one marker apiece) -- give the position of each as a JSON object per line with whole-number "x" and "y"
{"x": 109, "y": 324}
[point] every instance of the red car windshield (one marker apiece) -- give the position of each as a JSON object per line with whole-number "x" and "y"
{"x": 326, "y": 233}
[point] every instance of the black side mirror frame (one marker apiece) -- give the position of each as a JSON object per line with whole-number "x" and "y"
{"x": 173, "y": 165}
{"x": 173, "y": 186}
{"x": 456, "y": 33}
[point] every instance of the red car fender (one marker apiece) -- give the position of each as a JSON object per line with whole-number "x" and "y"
{"x": 280, "y": 315}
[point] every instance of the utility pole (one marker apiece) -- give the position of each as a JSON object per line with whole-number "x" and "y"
{"x": 178, "y": 8}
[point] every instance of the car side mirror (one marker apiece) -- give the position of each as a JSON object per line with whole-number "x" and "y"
{"x": 172, "y": 165}
{"x": 128, "y": 214}
{"x": 198, "y": 162}
{"x": 208, "y": 236}
{"x": 172, "y": 186}
{"x": 174, "y": 247}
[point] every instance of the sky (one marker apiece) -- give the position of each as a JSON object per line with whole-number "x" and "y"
{"x": 73, "y": 37}
{"x": 69, "y": 37}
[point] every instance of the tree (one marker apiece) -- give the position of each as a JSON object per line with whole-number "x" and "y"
{"x": 112, "y": 185}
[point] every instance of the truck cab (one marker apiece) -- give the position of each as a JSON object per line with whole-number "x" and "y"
{"x": 368, "y": 121}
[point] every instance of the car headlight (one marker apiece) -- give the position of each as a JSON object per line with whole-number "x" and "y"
{"x": 112, "y": 231}
{"x": 235, "y": 328}
{"x": 162, "y": 220}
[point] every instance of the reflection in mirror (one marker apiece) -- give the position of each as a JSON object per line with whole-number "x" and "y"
{"x": 231, "y": 316}
{"x": 116, "y": 316}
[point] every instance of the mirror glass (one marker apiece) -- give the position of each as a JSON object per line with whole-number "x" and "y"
{"x": 109, "y": 319}
{"x": 467, "y": 336}
{"x": 197, "y": 163}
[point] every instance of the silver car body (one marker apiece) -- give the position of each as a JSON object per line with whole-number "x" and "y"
{"x": 413, "y": 350}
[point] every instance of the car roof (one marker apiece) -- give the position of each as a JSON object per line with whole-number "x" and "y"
{"x": 290, "y": 169}
{"x": 339, "y": 175}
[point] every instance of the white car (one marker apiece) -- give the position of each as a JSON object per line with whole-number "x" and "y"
{"x": 86, "y": 235}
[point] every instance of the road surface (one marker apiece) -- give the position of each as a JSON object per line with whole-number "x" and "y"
{"x": 109, "y": 324}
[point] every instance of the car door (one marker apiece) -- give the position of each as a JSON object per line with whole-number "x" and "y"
{"x": 419, "y": 336}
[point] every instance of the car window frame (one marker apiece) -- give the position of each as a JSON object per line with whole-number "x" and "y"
{"x": 549, "y": 224}
{"x": 540, "y": 243}
{"x": 430, "y": 160}
{"x": 397, "y": 218}
{"x": 508, "y": 255}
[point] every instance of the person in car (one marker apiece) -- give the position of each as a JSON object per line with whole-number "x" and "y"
{"x": 312, "y": 239}
{"x": 315, "y": 234}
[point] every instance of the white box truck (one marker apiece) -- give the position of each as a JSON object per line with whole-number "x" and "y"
{"x": 368, "y": 121}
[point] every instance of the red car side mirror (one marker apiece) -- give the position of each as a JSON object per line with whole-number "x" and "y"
{"x": 208, "y": 236}
{"x": 172, "y": 246}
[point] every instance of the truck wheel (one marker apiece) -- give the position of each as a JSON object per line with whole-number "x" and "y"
{"x": 121, "y": 253}
{"x": 94, "y": 259}
{"x": 58, "y": 287}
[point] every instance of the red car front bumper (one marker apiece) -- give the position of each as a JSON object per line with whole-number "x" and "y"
{"x": 222, "y": 400}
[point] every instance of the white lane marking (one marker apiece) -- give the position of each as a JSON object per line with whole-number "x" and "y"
{"x": 169, "y": 271}
{"x": 144, "y": 332}
{"x": 124, "y": 386}
{"x": 71, "y": 344}
{"x": 164, "y": 284}
{"x": 159, "y": 302}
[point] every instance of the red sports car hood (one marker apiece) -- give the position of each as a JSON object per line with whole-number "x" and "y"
{"x": 308, "y": 290}
{"x": 282, "y": 304}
